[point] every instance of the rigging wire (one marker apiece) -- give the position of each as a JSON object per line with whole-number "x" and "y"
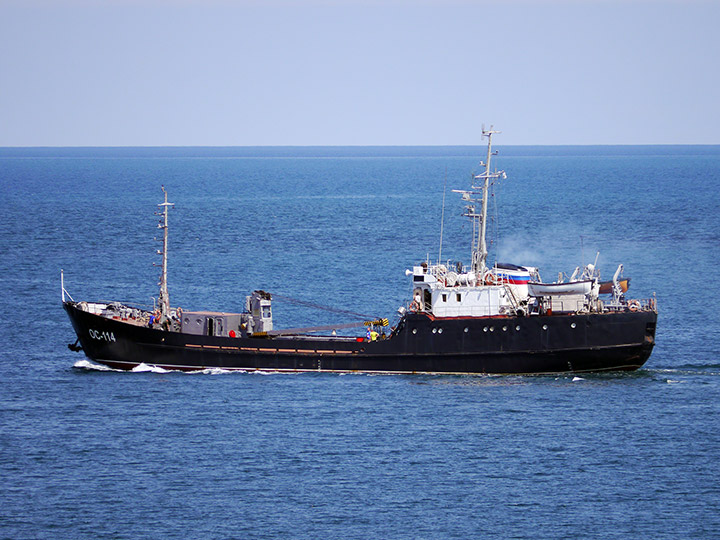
{"x": 496, "y": 221}
{"x": 321, "y": 307}
{"x": 442, "y": 219}
{"x": 496, "y": 217}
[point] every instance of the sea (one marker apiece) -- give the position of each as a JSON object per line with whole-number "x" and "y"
{"x": 91, "y": 453}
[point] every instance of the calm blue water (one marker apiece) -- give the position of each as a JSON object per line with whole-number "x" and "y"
{"x": 95, "y": 454}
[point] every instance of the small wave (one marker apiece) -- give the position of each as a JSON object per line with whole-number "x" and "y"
{"x": 91, "y": 366}
{"x": 575, "y": 379}
{"x": 214, "y": 371}
{"x": 221, "y": 371}
{"x": 143, "y": 368}
{"x": 694, "y": 371}
{"x": 698, "y": 365}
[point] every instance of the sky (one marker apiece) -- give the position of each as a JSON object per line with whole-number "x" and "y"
{"x": 358, "y": 72}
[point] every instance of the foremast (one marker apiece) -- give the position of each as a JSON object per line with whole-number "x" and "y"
{"x": 164, "y": 298}
{"x": 478, "y": 195}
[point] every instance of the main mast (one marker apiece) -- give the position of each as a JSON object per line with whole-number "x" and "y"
{"x": 164, "y": 298}
{"x": 479, "y": 194}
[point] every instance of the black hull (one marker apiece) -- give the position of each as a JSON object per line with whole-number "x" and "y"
{"x": 420, "y": 344}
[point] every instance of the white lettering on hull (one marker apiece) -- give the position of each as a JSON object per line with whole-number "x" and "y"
{"x": 101, "y": 336}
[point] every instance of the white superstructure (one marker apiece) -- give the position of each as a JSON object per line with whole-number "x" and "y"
{"x": 444, "y": 290}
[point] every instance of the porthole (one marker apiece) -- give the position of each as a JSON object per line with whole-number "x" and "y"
{"x": 573, "y": 325}
{"x": 485, "y": 329}
{"x": 544, "y": 326}
{"x": 465, "y": 330}
{"x": 517, "y": 328}
{"x": 492, "y": 328}
{"x": 439, "y": 330}
{"x": 434, "y": 330}
{"x": 504, "y": 328}
{"x": 414, "y": 330}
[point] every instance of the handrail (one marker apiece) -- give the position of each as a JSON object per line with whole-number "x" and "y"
{"x": 63, "y": 292}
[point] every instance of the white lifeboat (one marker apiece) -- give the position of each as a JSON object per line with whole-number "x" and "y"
{"x": 559, "y": 289}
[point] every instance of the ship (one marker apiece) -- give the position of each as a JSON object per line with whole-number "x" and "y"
{"x": 458, "y": 319}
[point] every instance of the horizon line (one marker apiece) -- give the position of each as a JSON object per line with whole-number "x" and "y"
{"x": 83, "y": 146}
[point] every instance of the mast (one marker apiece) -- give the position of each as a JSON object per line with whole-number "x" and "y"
{"x": 164, "y": 298}
{"x": 479, "y": 194}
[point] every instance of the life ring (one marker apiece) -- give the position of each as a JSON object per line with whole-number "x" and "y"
{"x": 490, "y": 279}
{"x": 634, "y": 305}
{"x": 414, "y": 306}
{"x": 179, "y": 312}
